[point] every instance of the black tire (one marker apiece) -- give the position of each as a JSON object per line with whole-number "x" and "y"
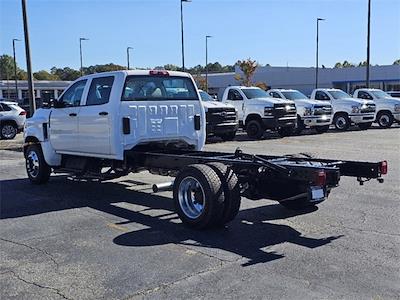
{"x": 364, "y": 126}
{"x": 255, "y": 129}
{"x": 8, "y": 131}
{"x": 198, "y": 181}
{"x": 231, "y": 189}
{"x": 299, "y": 126}
{"x": 286, "y": 131}
{"x": 298, "y": 204}
{"x": 36, "y": 167}
{"x": 229, "y": 136}
{"x": 384, "y": 119}
{"x": 341, "y": 122}
{"x": 322, "y": 129}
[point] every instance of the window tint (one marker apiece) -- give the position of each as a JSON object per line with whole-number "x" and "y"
{"x": 275, "y": 95}
{"x": 100, "y": 89}
{"x": 234, "y": 95}
{"x": 72, "y": 97}
{"x": 321, "y": 96}
{"x": 364, "y": 95}
{"x": 142, "y": 88}
{"x": 5, "y": 107}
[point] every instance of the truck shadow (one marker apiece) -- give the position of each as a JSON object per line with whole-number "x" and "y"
{"x": 244, "y": 239}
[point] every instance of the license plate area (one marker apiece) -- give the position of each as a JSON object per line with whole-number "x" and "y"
{"x": 317, "y": 194}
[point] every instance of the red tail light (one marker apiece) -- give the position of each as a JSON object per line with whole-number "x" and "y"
{"x": 159, "y": 73}
{"x": 383, "y": 167}
{"x": 320, "y": 179}
{"x": 22, "y": 113}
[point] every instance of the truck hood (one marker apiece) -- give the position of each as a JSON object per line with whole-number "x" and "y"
{"x": 40, "y": 116}
{"x": 216, "y": 104}
{"x": 268, "y": 101}
{"x": 351, "y": 101}
{"x": 310, "y": 102}
{"x": 389, "y": 101}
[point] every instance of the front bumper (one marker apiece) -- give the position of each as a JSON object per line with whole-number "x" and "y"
{"x": 273, "y": 122}
{"x": 218, "y": 129}
{"x": 313, "y": 121}
{"x": 362, "y": 118}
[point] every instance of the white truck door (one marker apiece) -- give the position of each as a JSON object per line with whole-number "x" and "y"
{"x": 63, "y": 127}
{"x": 95, "y": 117}
{"x": 236, "y": 99}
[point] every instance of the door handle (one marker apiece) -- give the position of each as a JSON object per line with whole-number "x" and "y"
{"x": 103, "y": 113}
{"x": 72, "y": 114}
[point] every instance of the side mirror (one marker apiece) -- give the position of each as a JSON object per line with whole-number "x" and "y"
{"x": 57, "y": 103}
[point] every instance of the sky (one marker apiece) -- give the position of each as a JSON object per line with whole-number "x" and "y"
{"x": 277, "y": 32}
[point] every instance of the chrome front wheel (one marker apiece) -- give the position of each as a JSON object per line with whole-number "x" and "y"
{"x": 36, "y": 167}
{"x": 32, "y": 164}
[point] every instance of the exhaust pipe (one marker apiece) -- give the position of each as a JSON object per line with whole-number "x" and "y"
{"x": 161, "y": 187}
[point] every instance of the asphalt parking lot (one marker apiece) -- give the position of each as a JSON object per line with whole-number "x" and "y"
{"x": 117, "y": 240}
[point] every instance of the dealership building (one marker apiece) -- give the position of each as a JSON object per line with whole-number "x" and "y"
{"x": 386, "y": 78}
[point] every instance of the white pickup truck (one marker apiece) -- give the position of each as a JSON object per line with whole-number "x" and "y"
{"x": 258, "y": 111}
{"x": 108, "y": 125}
{"x": 346, "y": 109}
{"x": 387, "y": 107}
{"x": 310, "y": 113}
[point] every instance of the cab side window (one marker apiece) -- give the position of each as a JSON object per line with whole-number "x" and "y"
{"x": 275, "y": 95}
{"x": 72, "y": 97}
{"x": 319, "y": 95}
{"x": 100, "y": 90}
{"x": 364, "y": 95}
{"x": 234, "y": 95}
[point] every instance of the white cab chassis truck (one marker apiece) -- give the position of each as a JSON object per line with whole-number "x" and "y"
{"x": 258, "y": 111}
{"x": 310, "y": 113}
{"x": 347, "y": 110}
{"x": 387, "y": 107}
{"x": 108, "y": 125}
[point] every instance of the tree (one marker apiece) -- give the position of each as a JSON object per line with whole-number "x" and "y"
{"x": 338, "y": 65}
{"x": 200, "y": 82}
{"x": 66, "y": 73}
{"x": 248, "y": 67}
{"x": 44, "y": 75}
{"x": 7, "y": 68}
{"x": 397, "y": 62}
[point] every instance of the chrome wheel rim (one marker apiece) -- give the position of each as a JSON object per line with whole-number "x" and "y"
{"x": 341, "y": 123}
{"x": 32, "y": 164}
{"x": 191, "y": 197}
{"x": 8, "y": 131}
{"x": 384, "y": 120}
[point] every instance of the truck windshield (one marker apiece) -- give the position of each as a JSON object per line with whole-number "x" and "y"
{"x": 380, "y": 94}
{"x": 294, "y": 95}
{"x": 142, "y": 88}
{"x": 205, "y": 96}
{"x": 339, "y": 94}
{"x": 255, "y": 93}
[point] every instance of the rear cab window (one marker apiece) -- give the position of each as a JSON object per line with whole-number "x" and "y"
{"x": 100, "y": 90}
{"x": 158, "y": 88}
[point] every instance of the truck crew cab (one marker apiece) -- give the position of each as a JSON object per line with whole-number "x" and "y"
{"x": 259, "y": 112}
{"x": 347, "y": 110}
{"x": 108, "y": 125}
{"x": 221, "y": 118}
{"x": 310, "y": 113}
{"x": 387, "y": 107}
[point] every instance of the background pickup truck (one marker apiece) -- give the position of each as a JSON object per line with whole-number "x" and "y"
{"x": 258, "y": 111}
{"x": 310, "y": 113}
{"x": 221, "y": 118}
{"x": 387, "y": 107}
{"x": 347, "y": 110}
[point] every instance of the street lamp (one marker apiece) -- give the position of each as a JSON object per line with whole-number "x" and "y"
{"x": 15, "y": 68}
{"x": 183, "y": 47}
{"x": 207, "y": 37}
{"x": 368, "y": 41}
{"x": 127, "y": 55}
{"x": 80, "y": 51}
{"x": 316, "y": 64}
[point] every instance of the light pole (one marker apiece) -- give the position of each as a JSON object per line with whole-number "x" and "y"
{"x": 368, "y": 41}
{"x": 15, "y": 68}
{"x": 316, "y": 64}
{"x": 183, "y": 47}
{"x": 32, "y": 102}
{"x": 80, "y": 51}
{"x": 207, "y": 37}
{"x": 127, "y": 55}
